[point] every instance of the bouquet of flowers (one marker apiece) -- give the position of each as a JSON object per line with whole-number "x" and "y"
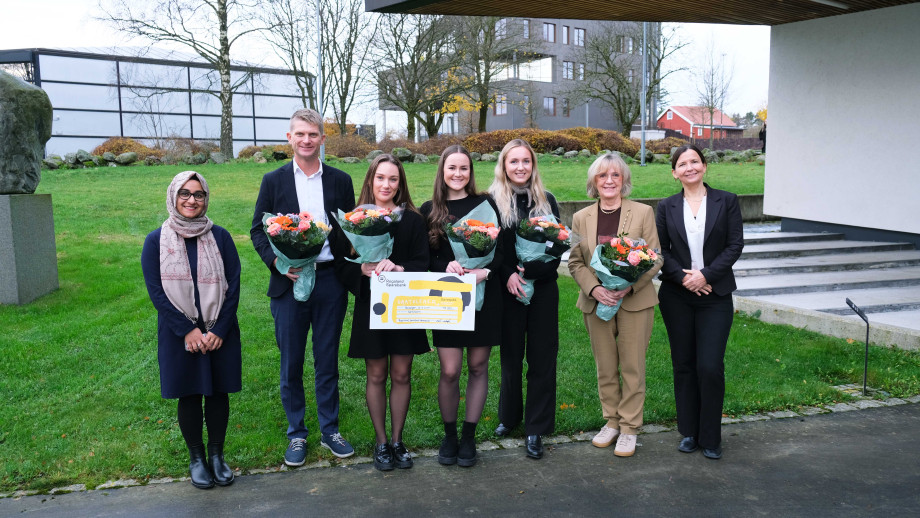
{"x": 618, "y": 264}
{"x": 473, "y": 241}
{"x": 297, "y": 240}
{"x": 370, "y": 230}
{"x": 542, "y": 239}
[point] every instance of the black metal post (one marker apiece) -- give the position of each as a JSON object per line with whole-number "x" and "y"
{"x": 863, "y": 316}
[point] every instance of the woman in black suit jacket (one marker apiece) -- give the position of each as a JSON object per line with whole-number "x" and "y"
{"x": 701, "y": 238}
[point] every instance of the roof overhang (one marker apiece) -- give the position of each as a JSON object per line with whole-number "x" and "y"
{"x": 740, "y": 12}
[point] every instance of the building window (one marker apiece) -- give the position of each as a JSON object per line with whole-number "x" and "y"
{"x": 568, "y": 70}
{"x": 670, "y": 115}
{"x": 565, "y": 107}
{"x": 501, "y": 104}
{"x": 527, "y": 28}
{"x": 501, "y": 29}
{"x": 630, "y": 74}
{"x": 565, "y": 34}
{"x": 549, "y": 32}
{"x": 549, "y": 106}
{"x": 699, "y": 131}
{"x": 579, "y": 37}
{"x": 681, "y": 132}
{"x": 581, "y": 72}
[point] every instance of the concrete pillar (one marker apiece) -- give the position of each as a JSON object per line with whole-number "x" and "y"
{"x": 28, "y": 255}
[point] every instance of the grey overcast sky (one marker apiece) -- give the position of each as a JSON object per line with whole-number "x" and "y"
{"x": 70, "y": 23}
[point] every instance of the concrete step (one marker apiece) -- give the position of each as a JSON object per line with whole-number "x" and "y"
{"x": 755, "y": 285}
{"x": 808, "y": 248}
{"x": 757, "y": 238}
{"x": 876, "y": 300}
{"x": 824, "y": 263}
{"x": 907, "y": 319}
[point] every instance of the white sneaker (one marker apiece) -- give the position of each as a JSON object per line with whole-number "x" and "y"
{"x": 605, "y": 437}
{"x": 626, "y": 445}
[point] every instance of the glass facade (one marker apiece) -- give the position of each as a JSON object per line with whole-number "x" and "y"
{"x": 98, "y": 96}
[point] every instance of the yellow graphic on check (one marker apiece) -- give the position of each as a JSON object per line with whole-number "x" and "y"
{"x": 422, "y": 300}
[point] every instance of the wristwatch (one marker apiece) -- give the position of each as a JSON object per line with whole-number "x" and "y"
{"x": 488, "y": 273}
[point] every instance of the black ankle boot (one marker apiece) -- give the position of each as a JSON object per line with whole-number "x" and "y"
{"x": 447, "y": 455}
{"x": 198, "y": 468}
{"x": 466, "y": 454}
{"x": 223, "y": 475}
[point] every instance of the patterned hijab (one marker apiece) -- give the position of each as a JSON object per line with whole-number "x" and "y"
{"x": 175, "y": 271}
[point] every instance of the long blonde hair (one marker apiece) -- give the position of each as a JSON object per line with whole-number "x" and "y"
{"x": 503, "y": 193}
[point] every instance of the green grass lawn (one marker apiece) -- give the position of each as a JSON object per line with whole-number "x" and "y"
{"x": 79, "y": 379}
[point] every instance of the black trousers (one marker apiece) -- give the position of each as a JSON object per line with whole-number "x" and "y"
{"x": 530, "y": 332}
{"x": 698, "y": 328}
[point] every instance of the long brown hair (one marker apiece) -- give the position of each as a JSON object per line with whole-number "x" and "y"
{"x": 439, "y": 214}
{"x": 402, "y": 196}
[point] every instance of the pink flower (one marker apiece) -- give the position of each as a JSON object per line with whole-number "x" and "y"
{"x": 305, "y": 216}
{"x": 634, "y": 258}
{"x": 274, "y": 229}
{"x": 563, "y": 234}
{"x": 357, "y": 217}
{"x": 628, "y": 241}
{"x": 652, "y": 255}
{"x": 303, "y": 225}
{"x": 492, "y": 231}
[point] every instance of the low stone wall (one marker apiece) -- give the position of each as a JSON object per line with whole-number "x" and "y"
{"x": 751, "y": 207}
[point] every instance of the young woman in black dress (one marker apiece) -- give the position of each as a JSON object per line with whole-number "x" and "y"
{"x": 528, "y": 331}
{"x": 192, "y": 272}
{"x": 386, "y": 352}
{"x": 455, "y": 196}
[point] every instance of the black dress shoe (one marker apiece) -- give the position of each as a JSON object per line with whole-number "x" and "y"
{"x": 713, "y": 453}
{"x": 503, "y": 431}
{"x": 534, "y": 446}
{"x": 223, "y": 475}
{"x": 401, "y": 455}
{"x": 688, "y": 445}
{"x": 383, "y": 457}
{"x": 466, "y": 453}
{"x": 447, "y": 455}
{"x": 198, "y": 469}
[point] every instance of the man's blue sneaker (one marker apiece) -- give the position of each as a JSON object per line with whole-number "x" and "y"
{"x": 337, "y": 444}
{"x": 296, "y": 453}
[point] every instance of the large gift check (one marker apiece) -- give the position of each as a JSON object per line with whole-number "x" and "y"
{"x": 423, "y": 300}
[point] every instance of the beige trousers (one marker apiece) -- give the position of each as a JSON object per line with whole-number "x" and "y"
{"x": 619, "y": 348}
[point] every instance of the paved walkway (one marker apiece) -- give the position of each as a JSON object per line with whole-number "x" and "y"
{"x": 845, "y": 463}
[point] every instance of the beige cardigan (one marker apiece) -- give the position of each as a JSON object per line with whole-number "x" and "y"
{"x": 637, "y": 220}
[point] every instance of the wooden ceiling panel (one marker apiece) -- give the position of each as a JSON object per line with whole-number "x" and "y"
{"x": 740, "y": 12}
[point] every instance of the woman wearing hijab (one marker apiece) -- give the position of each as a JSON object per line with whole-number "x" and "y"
{"x": 192, "y": 272}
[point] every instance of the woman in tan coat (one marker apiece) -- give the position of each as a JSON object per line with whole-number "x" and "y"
{"x": 618, "y": 345}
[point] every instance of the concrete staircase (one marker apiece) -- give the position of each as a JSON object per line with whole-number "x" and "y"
{"x": 794, "y": 278}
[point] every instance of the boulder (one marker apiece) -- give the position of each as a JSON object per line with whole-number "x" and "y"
{"x": 258, "y": 158}
{"x": 108, "y": 156}
{"x": 197, "y": 159}
{"x": 476, "y": 156}
{"x": 584, "y": 152}
{"x": 52, "y": 162}
{"x": 98, "y": 161}
{"x": 649, "y": 156}
{"x": 83, "y": 156}
{"x": 711, "y": 156}
{"x": 434, "y": 158}
{"x": 401, "y": 153}
{"x": 570, "y": 154}
{"x": 420, "y": 158}
{"x": 373, "y": 154}
{"x": 126, "y": 158}
{"x": 278, "y": 155}
{"x": 218, "y": 158}
{"x": 25, "y": 126}
{"x": 489, "y": 157}
{"x": 70, "y": 158}
{"x": 351, "y": 160}
{"x": 661, "y": 158}
{"x": 558, "y": 151}
{"x": 603, "y": 152}
{"x": 151, "y": 160}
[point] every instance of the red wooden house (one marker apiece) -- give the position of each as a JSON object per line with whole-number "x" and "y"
{"x": 693, "y": 121}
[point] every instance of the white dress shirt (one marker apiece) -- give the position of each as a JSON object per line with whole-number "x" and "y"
{"x": 310, "y": 199}
{"x": 696, "y": 228}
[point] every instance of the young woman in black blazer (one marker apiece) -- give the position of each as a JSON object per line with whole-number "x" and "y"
{"x": 701, "y": 237}
{"x": 386, "y": 352}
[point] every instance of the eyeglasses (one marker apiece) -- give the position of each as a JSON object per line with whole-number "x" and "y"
{"x": 185, "y": 194}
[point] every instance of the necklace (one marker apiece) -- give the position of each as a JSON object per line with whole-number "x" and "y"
{"x": 611, "y": 211}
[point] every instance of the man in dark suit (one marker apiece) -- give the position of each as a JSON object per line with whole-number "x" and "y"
{"x": 306, "y": 184}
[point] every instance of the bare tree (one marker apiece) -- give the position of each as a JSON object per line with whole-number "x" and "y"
{"x": 21, "y": 70}
{"x": 713, "y": 82}
{"x": 613, "y": 70}
{"x": 489, "y": 47}
{"x": 293, "y": 42}
{"x": 207, "y": 27}
{"x": 412, "y": 64}
{"x": 347, "y": 35}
